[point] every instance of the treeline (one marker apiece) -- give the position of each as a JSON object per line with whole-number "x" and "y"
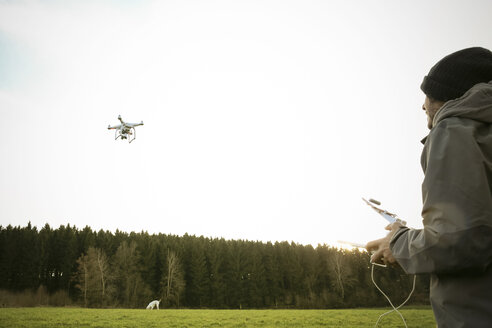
{"x": 105, "y": 269}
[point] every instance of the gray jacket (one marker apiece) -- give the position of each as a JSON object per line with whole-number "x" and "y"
{"x": 455, "y": 245}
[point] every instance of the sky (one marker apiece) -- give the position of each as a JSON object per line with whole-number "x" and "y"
{"x": 264, "y": 120}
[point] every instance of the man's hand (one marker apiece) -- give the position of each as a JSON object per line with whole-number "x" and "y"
{"x": 382, "y": 253}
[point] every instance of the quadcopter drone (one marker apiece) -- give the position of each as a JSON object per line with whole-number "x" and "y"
{"x": 125, "y": 130}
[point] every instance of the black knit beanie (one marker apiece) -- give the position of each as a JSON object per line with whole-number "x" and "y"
{"x": 456, "y": 73}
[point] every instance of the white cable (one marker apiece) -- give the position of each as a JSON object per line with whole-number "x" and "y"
{"x": 395, "y": 309}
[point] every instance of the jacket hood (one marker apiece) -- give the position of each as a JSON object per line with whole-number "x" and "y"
{"x": 475, "y": 104}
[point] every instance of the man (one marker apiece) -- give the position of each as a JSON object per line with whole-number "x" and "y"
{"x": 455, "y": 245}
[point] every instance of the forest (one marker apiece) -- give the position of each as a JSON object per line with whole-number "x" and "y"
{"x": 81, "y": 267}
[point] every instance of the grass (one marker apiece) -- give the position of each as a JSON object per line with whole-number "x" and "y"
{"x": 119, "y": 318}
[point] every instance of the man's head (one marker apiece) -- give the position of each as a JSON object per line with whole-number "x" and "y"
{"x": 431, "y": 106}
{"x": 453, "y": 75}
{"x": 456, "y": 73}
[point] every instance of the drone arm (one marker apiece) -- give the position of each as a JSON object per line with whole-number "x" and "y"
{"x": 134, "y": 124}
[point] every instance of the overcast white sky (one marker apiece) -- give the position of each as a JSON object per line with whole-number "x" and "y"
{"x": 264, "y": 119}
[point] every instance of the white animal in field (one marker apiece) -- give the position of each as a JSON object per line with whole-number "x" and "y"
{"x": 153, "y": 304}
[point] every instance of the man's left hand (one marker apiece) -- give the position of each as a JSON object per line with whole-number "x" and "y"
{"x": 382, "y": 253}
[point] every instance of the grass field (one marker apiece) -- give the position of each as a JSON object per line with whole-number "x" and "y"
{"x": 118, "y": 318}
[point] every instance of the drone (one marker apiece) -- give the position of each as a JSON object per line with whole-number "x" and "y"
{"x": 125, "y": 130}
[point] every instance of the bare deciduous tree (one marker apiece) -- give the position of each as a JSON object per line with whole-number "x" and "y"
{"x": 93, "y": 277}
{"x": 173, "y": 279}
{"x": 338, "y": 270}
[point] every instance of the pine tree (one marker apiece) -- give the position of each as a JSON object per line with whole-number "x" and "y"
{"x": 130, "y": 289}
{"x": 197, "y": 274}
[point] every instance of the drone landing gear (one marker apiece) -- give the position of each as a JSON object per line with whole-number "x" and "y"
{"x": 129, "y": 134}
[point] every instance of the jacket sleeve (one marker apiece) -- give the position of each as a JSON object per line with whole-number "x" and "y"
{"x": 457, "y": 205}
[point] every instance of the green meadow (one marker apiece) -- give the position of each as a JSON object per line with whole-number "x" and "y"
{"x": 116, "y": 318}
